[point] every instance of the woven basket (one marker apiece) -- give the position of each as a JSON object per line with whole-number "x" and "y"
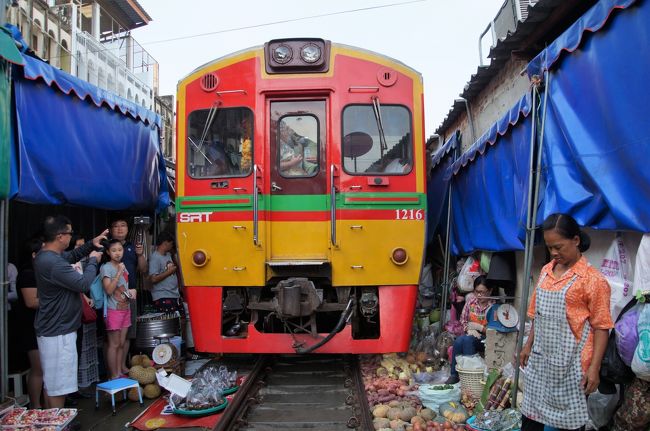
{"x": 471, "y": 381}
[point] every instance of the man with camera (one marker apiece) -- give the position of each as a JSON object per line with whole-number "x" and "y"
{"x": 134, "y": 261}
{"x": 59, "y": 313}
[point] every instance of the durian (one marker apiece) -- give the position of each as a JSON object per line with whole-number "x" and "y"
{"x": 152, "y": 391}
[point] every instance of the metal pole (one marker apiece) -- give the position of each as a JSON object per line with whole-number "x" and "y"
{"x": 530, "y": 235}
{"x": 4, "y": 362}
{"x": 446, "y": 284}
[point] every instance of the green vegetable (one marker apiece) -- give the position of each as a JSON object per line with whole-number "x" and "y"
{"x": 442, "y": 387}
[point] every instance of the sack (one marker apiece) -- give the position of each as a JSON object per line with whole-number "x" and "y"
{"x": 88, "y": 315}
{"x": 612, "y": 369}
{"x": 617, "y": 269}
{"x": 642, "y": 266}
{"x": 97, "y": 292}
{"x": 641, "y": 359}
{"x": 627, "y": 335}
{"x": 468, "y": 273}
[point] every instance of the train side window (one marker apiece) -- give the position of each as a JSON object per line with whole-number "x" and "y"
{"x": 298, "y": 146}
{"x": 220, "y": 142}
{"x": 364, "y": 150}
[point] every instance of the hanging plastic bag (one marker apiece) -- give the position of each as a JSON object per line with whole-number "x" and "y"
{"x": 642, "y": 266}
{"x": 617, "y": 269}
{"x": 601, "y": 408}
{"x": 641, "y": 360}
{"x": 627, "y": 335}
{"x": 468, "y": 273}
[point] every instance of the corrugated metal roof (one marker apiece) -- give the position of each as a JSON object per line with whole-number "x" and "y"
{"x": 518, "y": 40}
{"x": 129, "y": 13}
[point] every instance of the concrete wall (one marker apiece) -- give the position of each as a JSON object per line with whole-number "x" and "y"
{"x": 505, "y": 89}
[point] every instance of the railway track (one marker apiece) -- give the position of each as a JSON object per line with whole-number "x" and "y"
{"x": 311, "y": 392}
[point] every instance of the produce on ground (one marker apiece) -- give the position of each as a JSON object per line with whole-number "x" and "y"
{"x": 454, "y": 412}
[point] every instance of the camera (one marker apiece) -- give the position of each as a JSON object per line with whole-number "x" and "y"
{"x": 104, "y": 244}
{"x": 141, "y": 220}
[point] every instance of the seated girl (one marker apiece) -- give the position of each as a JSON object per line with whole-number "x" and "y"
{"x": 474, "y": 322}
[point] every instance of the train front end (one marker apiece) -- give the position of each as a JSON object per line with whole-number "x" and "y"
{"x": 301, "y": 199}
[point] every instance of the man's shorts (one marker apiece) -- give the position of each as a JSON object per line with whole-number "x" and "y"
{"x": 59, "y": 361}
{"x": 170, "y": 305}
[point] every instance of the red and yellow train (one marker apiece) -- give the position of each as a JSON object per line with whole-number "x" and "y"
{"x": 301, "y": 199}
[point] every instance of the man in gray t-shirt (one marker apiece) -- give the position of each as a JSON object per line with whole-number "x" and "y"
{"x": 162, "y": 271}
{"x": 59, "y": 313}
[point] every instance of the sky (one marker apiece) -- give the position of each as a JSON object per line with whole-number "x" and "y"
{"x": 437, "y": 38}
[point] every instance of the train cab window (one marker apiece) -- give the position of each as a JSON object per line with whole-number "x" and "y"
{"x": 299, "y": 148}
{"x": 220, "y": 142}
{"x": 366, "y": 151}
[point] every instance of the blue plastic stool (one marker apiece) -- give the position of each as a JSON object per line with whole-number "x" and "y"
{"x": 114, "y": 386}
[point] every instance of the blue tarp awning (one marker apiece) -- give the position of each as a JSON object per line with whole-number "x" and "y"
{"x": 592, "y": 21}
{"x": 78, "y": 144}
{"x": 490, "y": 186}
{"x": 437, "y": 184}
{"x": 597, "y": 131}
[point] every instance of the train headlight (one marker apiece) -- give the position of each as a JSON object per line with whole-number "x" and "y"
{"x": 399, "y": 256}
{"x": 310, "y": 53}
{"x": 200, "y": 258}
{"x": 282, "y": 54}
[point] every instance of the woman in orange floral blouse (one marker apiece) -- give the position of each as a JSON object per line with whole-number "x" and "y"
{"x": 571, "y": 319}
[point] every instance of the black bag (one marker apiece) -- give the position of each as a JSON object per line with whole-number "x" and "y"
{"x": 613, "y": 371}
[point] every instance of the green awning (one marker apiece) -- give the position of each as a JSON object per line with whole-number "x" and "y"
{"x": 8, "y": 54}
{"x": 8, "y": 49}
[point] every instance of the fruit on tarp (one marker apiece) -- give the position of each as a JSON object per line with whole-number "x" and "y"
{"x": 151, "y": 391}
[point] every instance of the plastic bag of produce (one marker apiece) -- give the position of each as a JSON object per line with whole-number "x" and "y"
{"x": 627, "y": 335}
{"x": 641, "y": 359}
{"x": 432, "y": 378}
{"x": 468, "y": 273}
{"x": 617, "y": 269}
{"x": 432, "y": 396}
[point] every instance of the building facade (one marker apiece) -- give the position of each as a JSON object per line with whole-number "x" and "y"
{"x": 91, "y": 40}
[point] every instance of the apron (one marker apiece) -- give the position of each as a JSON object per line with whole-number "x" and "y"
{"x": 552, "y": 394}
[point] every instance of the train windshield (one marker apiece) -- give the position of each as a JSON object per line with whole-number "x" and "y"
{"x": 220, "y": 142}
{"x": 364, "y": 153}
{"x": 299, "y": 147}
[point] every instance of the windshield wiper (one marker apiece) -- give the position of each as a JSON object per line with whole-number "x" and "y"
{"x": 376, "y": 108}
{"x": 208, "y": 123}
{"x": 199, "y": 150}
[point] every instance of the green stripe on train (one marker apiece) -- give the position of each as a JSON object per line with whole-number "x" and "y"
{"x": 303, "y": 202}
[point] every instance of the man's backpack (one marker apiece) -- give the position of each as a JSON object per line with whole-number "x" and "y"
{"x": 613, "y": 371}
